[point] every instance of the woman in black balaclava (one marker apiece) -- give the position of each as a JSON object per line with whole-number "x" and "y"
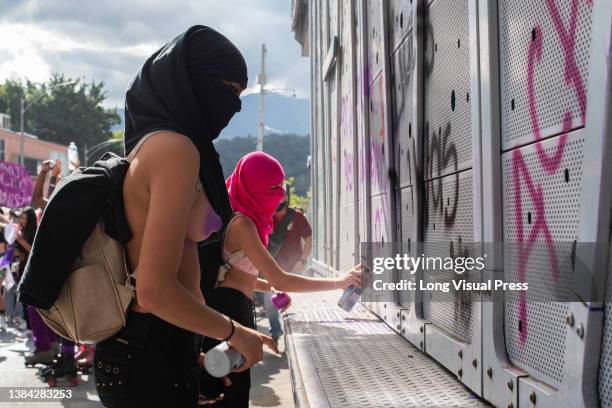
{"x": 174, "y": 195}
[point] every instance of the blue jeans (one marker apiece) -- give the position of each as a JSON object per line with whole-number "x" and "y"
{"x": 273, "y": 316}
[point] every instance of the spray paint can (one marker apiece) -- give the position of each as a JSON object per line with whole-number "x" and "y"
{"x": 281, "y": 300}
{"x": 349, "y": 298}
{"x": 221, "y": 360}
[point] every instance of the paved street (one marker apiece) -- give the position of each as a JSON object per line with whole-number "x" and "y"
{"x": 271, "y": 384}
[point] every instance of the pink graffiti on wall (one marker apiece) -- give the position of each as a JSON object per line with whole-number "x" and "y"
{"x": 550, "y": 163}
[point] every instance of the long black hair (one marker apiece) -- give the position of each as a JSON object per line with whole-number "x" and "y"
{"x": 29, "y": 231}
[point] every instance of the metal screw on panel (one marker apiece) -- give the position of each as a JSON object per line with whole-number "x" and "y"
{"x": 404, "y": 317}
{"x": 490, "y": 372}
{"x": 580, "y": 330}
{"x": 510, "y": 385}
{"x": 532, "y": 397}
{"x": 460, "y": 353}
{"x": 460, "y": 372}
{"x": 421, "y": 329}
{"x": 398, "y": 327}
{"x": 403, "y": 331}
{"x": 475, "y": 363}
{"x": 569, "y": 320}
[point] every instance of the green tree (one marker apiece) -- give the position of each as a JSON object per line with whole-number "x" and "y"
{"x": 68, "y": 113}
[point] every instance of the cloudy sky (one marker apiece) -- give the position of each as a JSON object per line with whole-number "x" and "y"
{"x": 109, "y": 40}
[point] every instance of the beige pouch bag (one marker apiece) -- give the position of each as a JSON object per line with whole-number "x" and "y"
{"x": 94, "y": 300}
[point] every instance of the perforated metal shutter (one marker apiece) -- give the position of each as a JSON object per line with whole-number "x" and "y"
{"x": 448, "y": 127}
{"x": 537, "y": 39}
{"x": 605, "y": 364}
{"x": 448, "y": 220}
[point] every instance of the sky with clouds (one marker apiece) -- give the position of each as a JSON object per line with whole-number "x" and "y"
{"x": 109, "y": 40}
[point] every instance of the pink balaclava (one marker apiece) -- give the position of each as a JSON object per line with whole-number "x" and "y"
{"x": 250, "y": 192}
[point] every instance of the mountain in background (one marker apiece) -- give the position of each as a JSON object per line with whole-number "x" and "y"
{"x": 283, "y": 114}
{"x": 290, "y": 150}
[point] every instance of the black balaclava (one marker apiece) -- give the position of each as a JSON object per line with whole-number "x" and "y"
{"x": 180, "y": 88}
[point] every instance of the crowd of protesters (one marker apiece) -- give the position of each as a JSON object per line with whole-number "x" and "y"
{"x": 58, "y": 356}
{"x": 190, "y": 295}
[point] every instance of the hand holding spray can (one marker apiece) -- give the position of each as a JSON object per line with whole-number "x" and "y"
{"x": 351, "y": 295}
{"x": 221, "y": 360}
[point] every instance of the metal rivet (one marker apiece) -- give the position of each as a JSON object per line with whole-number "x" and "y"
{"x": 460, "y": 372}
{"x": 460, "y": 353}
{"x": 110, "y": 384}
{"x": 510, "y": 385}
{"x": 398, "y": 314}
{"x": 99, "y": 364}
{"x": 580, "y": 330}
{"x": 108, "y": 368}
{"x": 404, "y": 317}
{"x": 398, "y": 327}
{"x": 103, "y": 385}
{"x": 175, "y": 385}
{"x": 403, "y": 331}
{"x": 97, "y": 384}
{"x": 421, "y": 344}
{"x": 119, "y": 382}
{"x": 116, "y": 370}
{"x": 421, "y": 329}
{"x": 475, "y": 363}
{"x": 490, "y": 372}
{"x": 569, "y": 320}
{"x": 385, "y": 305}
{"x": 532, "y": 397}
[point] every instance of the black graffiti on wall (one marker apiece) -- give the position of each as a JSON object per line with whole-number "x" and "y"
{"x": 441, "y": 154}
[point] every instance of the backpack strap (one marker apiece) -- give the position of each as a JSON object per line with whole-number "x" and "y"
{"x": 140, "y": 143}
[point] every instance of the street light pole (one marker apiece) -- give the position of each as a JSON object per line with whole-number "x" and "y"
{"x": 21, "y": 136}
{"x": 261, "y": 80}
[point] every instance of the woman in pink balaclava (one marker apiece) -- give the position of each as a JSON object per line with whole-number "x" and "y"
{"x": 255, "y": 190}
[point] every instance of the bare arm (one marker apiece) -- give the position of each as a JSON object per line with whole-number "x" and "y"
{"x": 158, "y": 288}
{"x": 263, "y": 286}
{"x": 38, "y": 199}
{"x": 244, "y": 233}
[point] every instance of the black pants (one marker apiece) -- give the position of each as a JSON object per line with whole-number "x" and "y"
{"x": 149, "y": 363}
{"x": 236, "y": 305}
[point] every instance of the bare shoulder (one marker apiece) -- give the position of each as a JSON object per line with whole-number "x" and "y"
{"x": 242, "y": 230}
{"x": 169, "y": 145}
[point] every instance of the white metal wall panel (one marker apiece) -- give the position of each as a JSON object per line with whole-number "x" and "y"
{"x": 374, "y": 60}
{"x": 407, "y": 239}
{"x": 448, "y": 126}
{"x": 402, "y": 94}
{"x": 346, "y": 242}
{"x": 400, "y": 21}
{"x": 334, "y": 166}
{"x": 605, "y": 365}
{"x": 382, "y": 225}
{"x": 379, "y": 180}
{"x": 544, "y": 56}
{"x": 449, "y": 217}
{"x": 347, "y": 133}
{"x": 541, "y": 204}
